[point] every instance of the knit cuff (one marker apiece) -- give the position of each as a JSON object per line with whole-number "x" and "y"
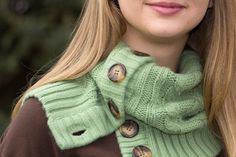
{"x": 75, "y": 111}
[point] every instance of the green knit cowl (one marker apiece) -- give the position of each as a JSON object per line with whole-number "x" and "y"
{"x": 169, "y": 101}
{"x": 167, "y": 106}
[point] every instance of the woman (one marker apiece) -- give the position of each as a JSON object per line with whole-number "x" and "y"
{"x": 140, "y": 78}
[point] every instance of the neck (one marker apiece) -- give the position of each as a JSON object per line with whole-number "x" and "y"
{"x": 166, "y": 52}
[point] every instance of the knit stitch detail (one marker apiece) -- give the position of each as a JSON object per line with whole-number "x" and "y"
{"x": 171, "y": 102}
{"x": 74, "y": 106}
{"x": 198, "y": 143}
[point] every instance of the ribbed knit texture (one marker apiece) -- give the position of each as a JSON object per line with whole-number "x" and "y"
{"x": 167, "y": 106}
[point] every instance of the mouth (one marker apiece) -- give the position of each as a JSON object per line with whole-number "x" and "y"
{"x": 166, "y": 8}
{"x": 167, "y": 4}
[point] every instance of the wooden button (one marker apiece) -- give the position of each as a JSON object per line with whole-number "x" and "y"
{"x": 138, "y": 53}
{"x": 114, "y": 109}
{"x": 117, "y": 72}
{"x": 129, "y": 129}
{"x": 141, "y": 151}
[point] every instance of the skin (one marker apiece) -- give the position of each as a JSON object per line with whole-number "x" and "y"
{"x": 161, "y": 36}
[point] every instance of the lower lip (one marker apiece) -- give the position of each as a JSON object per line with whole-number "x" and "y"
{"x": 167, "y": 10}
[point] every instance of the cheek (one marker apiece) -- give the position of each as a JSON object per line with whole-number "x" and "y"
{"x": 196, "y": 16}
{"x": 131, "y": 10}
{"x": 198, "y": 10}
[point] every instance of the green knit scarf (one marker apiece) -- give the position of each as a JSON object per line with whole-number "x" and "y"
{"x": 171, "y": 102}
{"x": 167, "y": 106}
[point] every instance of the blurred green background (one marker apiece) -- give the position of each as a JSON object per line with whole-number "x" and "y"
{"x": 32, "y": 34}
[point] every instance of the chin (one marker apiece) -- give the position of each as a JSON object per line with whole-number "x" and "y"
{"x": 164, "y": 31}
{"x": 165, "y": 35}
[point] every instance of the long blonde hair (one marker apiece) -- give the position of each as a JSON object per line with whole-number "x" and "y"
{"x": 102, "y": 25}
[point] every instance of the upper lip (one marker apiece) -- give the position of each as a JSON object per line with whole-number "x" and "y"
{"x": 166, "y": 4}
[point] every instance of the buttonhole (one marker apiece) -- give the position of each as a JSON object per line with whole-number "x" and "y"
{"x": 78, "y": 133}
{"x": 187, "y": 117}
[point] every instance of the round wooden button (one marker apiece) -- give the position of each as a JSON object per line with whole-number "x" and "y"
{"x": 141, "y": 151}
{"x": 129, "y": 129}
{"x": 114, "y": 109}
{"x": 138, "y": 53}
{"x": 117, "y": 72}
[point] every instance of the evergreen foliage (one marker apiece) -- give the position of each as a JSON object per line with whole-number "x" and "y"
{"x": 32, "y": 33}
